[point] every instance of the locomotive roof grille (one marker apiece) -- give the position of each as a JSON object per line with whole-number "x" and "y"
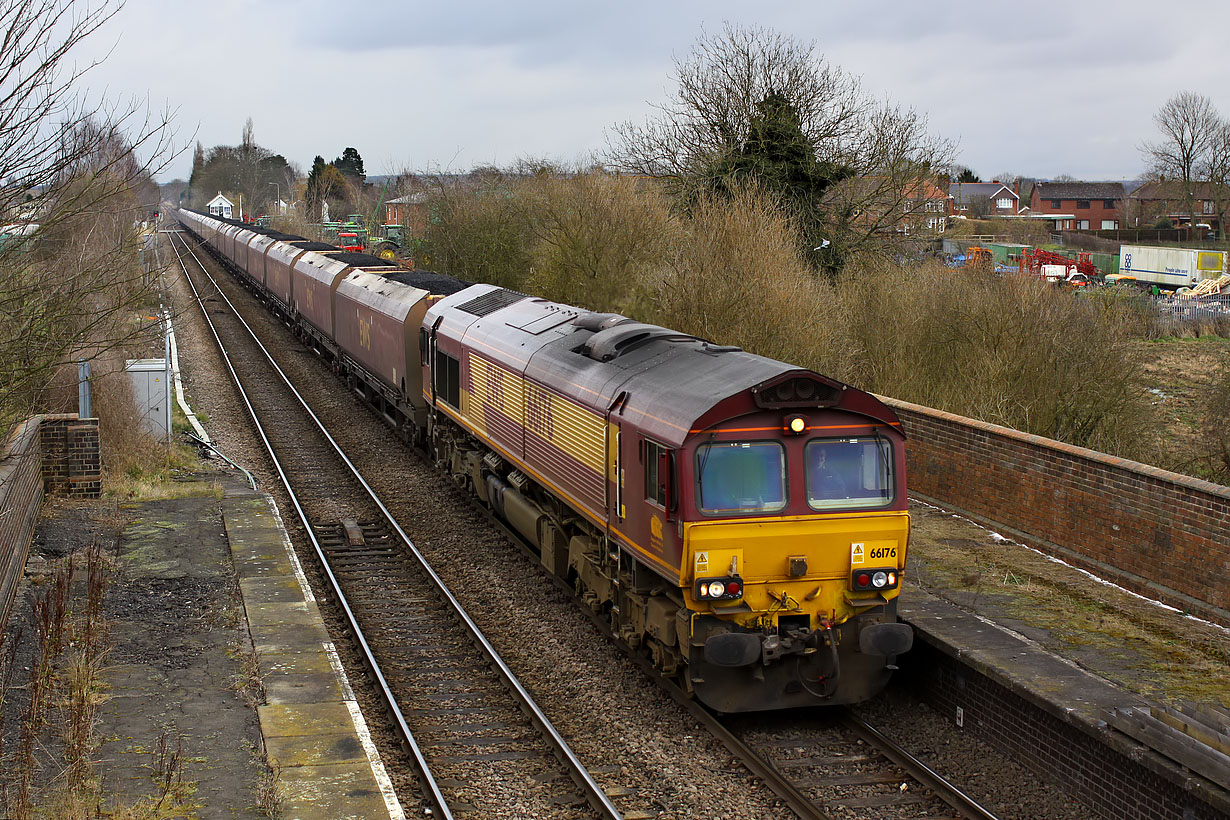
{"x": 491, "y": 302}
{"x": 799, "y": 391}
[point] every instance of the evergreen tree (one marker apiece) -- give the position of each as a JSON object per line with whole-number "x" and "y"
{"x": 778, "y": 156}
{"x": 351, "y": 165}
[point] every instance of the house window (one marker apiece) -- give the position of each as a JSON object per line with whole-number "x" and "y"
{"x": 1082, "y": 224}
{"x": 1056, "y": 203}
{"x": 1208, "y": 206}
{"x": 1082, "y": 203}
{"x": 1108, "y": 204}
{"x": 1110, "y": 224}
{"x": 1003, "y": 202}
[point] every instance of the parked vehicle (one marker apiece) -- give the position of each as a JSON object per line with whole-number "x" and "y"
{"x": 1169, "y": 268}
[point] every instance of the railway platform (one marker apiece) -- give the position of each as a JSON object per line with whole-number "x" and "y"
{"x": 1082, "y": 681}
{"x": 224, "y": 695}
{"x": 314, "y": 734}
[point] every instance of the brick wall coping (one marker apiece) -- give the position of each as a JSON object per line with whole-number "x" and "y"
{"x": 16, "y": 443}
{"x": 1200, "y": 485}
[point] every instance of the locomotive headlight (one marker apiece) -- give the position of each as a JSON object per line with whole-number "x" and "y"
{"x": 716, "y": 589}
{"x": 879, "y": 580}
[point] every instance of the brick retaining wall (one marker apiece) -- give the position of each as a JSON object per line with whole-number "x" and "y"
{"x": 21, "y": 495}
{"x": 1156, "y": 532}
{"x": 72, "y": 462}
{"x": 1111, "y": 774}
{"x": 46, "y": 454}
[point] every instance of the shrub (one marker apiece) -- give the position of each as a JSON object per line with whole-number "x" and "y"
{"x": 598, "y": 240}
{"x": 1008, "y": 350}
{"x": 737, "y": 278}
{"x": 480, "y": 232}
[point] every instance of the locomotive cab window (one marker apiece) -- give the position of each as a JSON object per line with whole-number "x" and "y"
{"x": 447, "y": 376}
{"x": 658, "y": 474}
{"x": 849, "y": 473}
{"x": 745, "y": 477}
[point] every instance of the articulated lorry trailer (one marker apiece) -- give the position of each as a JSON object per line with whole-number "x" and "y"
{"x": 1170, "y": 267}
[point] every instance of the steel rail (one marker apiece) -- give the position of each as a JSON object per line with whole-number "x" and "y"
{"x": 580, "y": 775}
{"x": 918, "y": 770}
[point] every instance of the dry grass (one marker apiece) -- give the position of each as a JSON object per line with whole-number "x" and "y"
{"x": 953, "y": 557}
{"x": 136, "y": 465}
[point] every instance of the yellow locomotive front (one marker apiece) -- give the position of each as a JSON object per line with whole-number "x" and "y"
{"x": 794, "y": 536}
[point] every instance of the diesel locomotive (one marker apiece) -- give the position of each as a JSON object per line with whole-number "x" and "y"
{"x": 741, "y": 521}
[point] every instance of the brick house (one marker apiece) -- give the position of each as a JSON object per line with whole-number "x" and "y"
{"x": 925, "y": 209}
{"x": 409, "y": 211}
{"x": 883, "y": 205}
{"x": 1000, "y": 199}
{"x": 1079, "y": 206}
{"x": 1154, "y": 200}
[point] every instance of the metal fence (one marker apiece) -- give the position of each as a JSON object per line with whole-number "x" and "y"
{"x": 1176, "y": 312}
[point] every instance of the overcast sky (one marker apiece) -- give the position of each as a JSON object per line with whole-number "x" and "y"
{"x": 1029, "y": 88}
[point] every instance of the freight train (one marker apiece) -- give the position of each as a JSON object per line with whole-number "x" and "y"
{"x": 741, "y": 521}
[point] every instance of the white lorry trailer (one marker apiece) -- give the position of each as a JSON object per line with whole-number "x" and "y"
{"x": 1170, "y": 267}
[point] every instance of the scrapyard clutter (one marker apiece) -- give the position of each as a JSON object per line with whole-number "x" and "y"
{"x": 1209, "y": 287}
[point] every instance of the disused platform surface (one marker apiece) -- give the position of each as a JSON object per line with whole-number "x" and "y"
{"x": 1074, "y": 646}
{"x": 175, "y": 677}
{"x": 185, "y": 679}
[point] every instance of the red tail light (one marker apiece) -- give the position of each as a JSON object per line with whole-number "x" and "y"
{"x": 875, "y": 579}
{"x": 719, "y": 589}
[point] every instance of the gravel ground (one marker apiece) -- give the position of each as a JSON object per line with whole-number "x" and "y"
{"x": 612, "y": 715}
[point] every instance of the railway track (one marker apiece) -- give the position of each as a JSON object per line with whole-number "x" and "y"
{"x": 478, "y": 741}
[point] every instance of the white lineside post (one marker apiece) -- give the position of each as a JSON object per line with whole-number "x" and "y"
{"x": 166, "y": 382}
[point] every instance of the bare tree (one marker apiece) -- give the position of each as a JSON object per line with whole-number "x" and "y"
{"x": 1216, "y": 169}
{"x": 1190, "y": 126}
{"x": 979, "y": 206}
{"x": 76, "y": 192}
{"x": 845, "y": 163}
